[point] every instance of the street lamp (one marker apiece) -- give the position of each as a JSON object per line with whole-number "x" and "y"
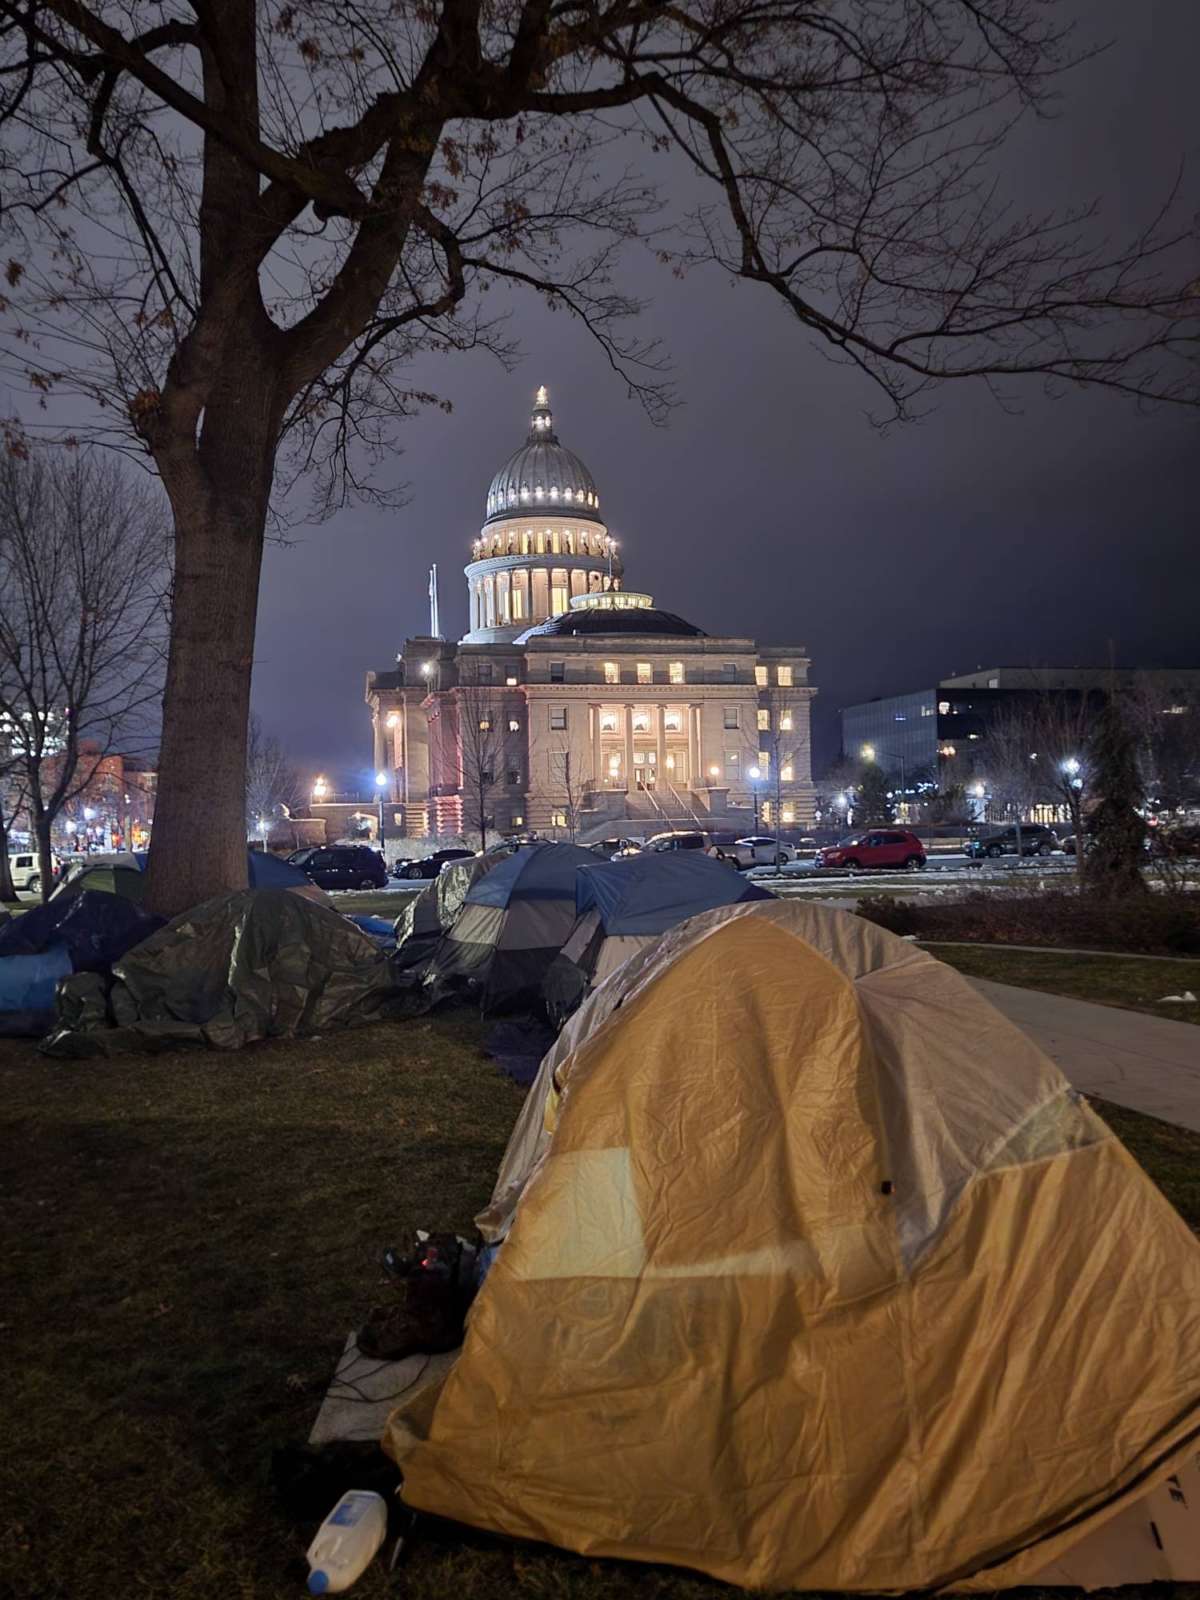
{"x": 755, "y": 774}
{"x": 319, "y": 790}
{"x": 1070, "y": 766}
{"x": 380, "y": 784}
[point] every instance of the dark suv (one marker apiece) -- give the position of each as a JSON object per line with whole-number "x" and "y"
{"x": 345, "y": 866}
{"x": 1035, "y": 841}
{"x": 430, "y": 866}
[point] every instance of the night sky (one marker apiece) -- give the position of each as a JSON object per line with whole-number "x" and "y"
{"x": 770, "y": 507}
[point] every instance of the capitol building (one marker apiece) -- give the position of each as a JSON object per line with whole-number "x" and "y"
{"x": 575, "y": 706}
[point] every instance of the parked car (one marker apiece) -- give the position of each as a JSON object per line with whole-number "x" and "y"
{"x": 681, "y": 839}
{"x": 429, "y": 866}
{"x": 345, "y": 866}
{"x": 1036, "y": 840}
{"x": 1181, "y": 842}
{"x": 299, "y": 857}
{"x": 756, "y": 851}
{"x": 26, "y": 874}
{"x": 609, "y": 849}
{"x": 879, "y": 847}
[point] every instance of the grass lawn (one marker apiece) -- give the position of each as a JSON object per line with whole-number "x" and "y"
{"x": 191, "y": 1236}
{"x": 382, "y": 903}
{"x": 1122, "y": 981}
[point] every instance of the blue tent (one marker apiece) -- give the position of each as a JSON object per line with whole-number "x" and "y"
{"x": 623, "y": 905}
{"x": 263, "y": 870}
{"x": 652, "y": 892}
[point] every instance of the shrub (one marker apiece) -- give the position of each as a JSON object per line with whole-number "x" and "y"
{"x": 1156, "y": 924}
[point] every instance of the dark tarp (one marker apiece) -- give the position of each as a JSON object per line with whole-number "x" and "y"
{"x": 27, "y": 986}
{"x": 430, "y": 914}
{"x": 258, "y": 964}
{"x": 95, "y": 928}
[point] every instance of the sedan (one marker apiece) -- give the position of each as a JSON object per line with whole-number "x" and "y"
{"x": 1036, "y": 840}
{"x": 430, "y": 866}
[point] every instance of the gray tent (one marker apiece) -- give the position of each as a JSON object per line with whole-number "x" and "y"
{"x": 513, "y": 923}
{"x": 434, "y": 911}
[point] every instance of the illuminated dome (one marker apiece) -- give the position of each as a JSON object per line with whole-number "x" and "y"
{"x": 543, "y": 475}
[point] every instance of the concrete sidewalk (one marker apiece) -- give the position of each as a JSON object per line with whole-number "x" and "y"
{"x": 1145, "y": 1063}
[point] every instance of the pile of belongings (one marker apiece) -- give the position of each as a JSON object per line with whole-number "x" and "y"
{"x": 257, "y": 964}
{"x": 85, "y": 932}
{"x": 513, "y": 922}
{"x": 816, "y": 1274}
{"x": 622, "y": 906}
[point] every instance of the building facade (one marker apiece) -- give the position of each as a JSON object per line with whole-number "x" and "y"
{"x": 574, "y": 706}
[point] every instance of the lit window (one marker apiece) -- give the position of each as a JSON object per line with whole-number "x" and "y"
{"x": 764, "y": 720}
{"x": 608, "y": 722}
{"x": 558, "y": 600}
{"x": 514, "y": 725}
{"x": 760, "y": 677}
{"x": 787, "y": 813}
{"x": 784, "y": 677}
{"x": 555, "y": 541}
{"x": 787, "y": 773}
{"x": 568, "y": 542}
{"x": 766, "y": 811}
{"x": 1174, "y": 711}
{"x": 614, "y": 763}
{"x": 785, "y": 722}
{"x": 645, "y": 673}
{"x": 527, "y": 542}
{"x": 612, "y": 672}
{"x": 943, "y": 708}
{"x": 764, "y": 762}
{"x": 641, "y": 722}
{"x": 675, "y": 672}
{"x": 511, "y": 680}
{"x": 558, "y": 716}
{"x": 671, "y": 721}
{"x": 485, "y": 724}
{"x": 731, "y": 717}
{"x": 518, "y": 820}
{"x": 558, "y": 819}
{"x": 926, "y": 711}
{"x": 518, "y": 607}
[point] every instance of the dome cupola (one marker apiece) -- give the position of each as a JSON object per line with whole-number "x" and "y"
{"x": 543, "y": 475}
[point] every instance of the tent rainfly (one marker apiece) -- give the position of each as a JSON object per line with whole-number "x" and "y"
{"x": 622, "y": 906}
{"x": 430, "y": 914}
{"x": 821, "y": 1276}
{"x": 512, "y": 925}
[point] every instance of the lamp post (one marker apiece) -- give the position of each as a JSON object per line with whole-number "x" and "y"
{"x": 755, "y": 774}
{"x": 319, "y": 790}
{"x": 380, "y": 785}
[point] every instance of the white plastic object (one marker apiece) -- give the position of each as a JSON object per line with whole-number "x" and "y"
{"x": 346, "y": 1542}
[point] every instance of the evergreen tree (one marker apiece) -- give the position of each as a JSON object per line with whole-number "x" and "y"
{"x": 1113, "y": 864}
{"x": 872, "y": 805}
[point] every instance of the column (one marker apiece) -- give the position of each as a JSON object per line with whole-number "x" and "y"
{"x": 382, "y": 763}
{"x": 597, "y": 751}
{"x": 629, "y": 783}
{"x": 697, "y": 778}
{"x": 660, "y": 728}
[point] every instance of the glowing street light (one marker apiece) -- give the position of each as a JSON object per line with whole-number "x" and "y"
{"x": 868, "y": 752}
{"x": 381, "y": 779}
{"x": 319, "y": 790}
{"x": 1070, "y": 766}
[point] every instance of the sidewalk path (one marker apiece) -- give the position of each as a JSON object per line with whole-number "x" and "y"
{"x": 1145, "y": 1063}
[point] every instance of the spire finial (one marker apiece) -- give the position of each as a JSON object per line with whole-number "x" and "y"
{"x": 541, "y": 424}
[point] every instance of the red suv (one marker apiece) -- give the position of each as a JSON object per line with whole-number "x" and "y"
{"x": 881, "y": 847}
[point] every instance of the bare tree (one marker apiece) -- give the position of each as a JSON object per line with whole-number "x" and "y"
{"x": 480, "y": 752}
{"x": 1165, "y": 717}
{"x": 273, "y": 787}
{"x": 12, "y": 804}
{"x": 83, "y": 574}
{"x": 230, "y": 226}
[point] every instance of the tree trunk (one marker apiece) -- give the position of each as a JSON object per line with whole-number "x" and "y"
{"x": 219, "y": 495}
{"x": 7, "y": 892}
{"x": 41, "y": 830}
